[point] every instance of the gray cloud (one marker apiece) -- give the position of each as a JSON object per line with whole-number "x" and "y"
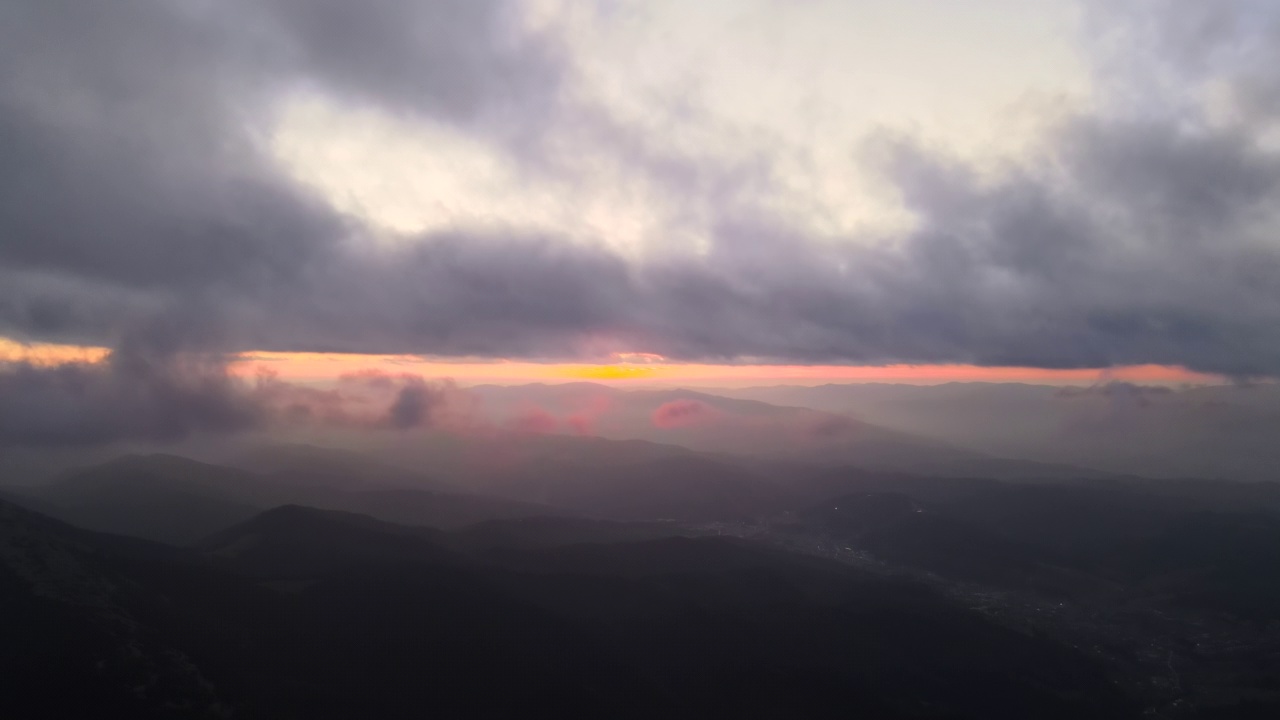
{"x": 135, "y": 172}
{"x": 137, "y": 200}
{"x": 400, "y": 402}
{"x": 413, "y": 406}
{"x": 135, "y": 395}
{"x": 139, "y": 394}
{"x": 464, "y": 61}
{"x": 1119, "y": 392}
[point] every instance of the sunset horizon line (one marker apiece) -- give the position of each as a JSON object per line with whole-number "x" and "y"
{"x": 628, "y": 369}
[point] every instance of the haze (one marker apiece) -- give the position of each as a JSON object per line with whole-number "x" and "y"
{"x": 616, "y": 358}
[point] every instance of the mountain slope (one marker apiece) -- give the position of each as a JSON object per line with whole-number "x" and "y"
{"x": 403, "y": 627}
{"x": 177, "y": 501}
{"x": 72, "y": 642}
{"x": 161, "y": 497}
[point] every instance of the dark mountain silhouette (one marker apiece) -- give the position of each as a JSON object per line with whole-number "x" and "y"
{"x": 1105, "y": 545}
{"x": 684, "y": 488}
{"x": 298, "y": 543}
{"x": 461, "y": 457}
{"x": 547, "y": 532}
{"x": 391, "y": 623}
{"x": 161, "y": 497}
{"x": 1225, "y": 562}
{"x": 175, "y": 500}
{"x": 859, "y": 513}
{"x": 418, "y": 507}
{"x": 315, "y": 467}
{"x": 1172, "y": 585}
{"x": 72, "y": 639}
{"x": 671, "y": 578}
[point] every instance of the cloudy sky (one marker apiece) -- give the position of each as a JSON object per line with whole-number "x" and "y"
{"x": 599, "y": 188}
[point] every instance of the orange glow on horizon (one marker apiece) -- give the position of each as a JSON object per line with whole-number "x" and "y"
{"x": 916, "y": 374}
{"x": 323, "y": 366}
{"x": 44, "y": 354}
{"x": 643, "y": 368}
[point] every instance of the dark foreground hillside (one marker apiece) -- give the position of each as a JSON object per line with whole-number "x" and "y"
{"x": 312, "y": 614}
{"x": 1173, "y": 586}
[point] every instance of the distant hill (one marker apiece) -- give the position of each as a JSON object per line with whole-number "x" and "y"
{"x": 1216, "y": 432}
{"x": 316, "y": 467}
{"x": 673, "y": 625}
{"x": 682, "y": 488}
{"x": 725, "y": 424}
{"x": 178, "y": 501}
{"x": 160, "y": 497}
{"x": 1094, "y": 541}
{"x": 78, "y": 638}
{"x": 295, "y": 543}
{"x": 548, "y": 532}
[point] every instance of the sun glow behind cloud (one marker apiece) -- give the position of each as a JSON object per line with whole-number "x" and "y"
{"x": 712, "y": 81}
{"x": 46, "y": 354}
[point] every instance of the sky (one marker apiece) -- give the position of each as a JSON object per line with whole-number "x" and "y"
{"x": 193, "y": 193}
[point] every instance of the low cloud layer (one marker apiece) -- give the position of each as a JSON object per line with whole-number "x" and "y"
{"x": 136, "y": 395}
{"x": 132, "y": 396}
{"x": 137, "y": 192}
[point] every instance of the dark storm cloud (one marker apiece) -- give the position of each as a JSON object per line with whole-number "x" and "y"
{"x": 134, "y": 167}
{"x": 1137, "y": 243}
{"x": 125, "y": 157}
{"x": 136, "y": 198}
{"x": 412, "y": 407}
{"x": 465, "y": 61}
{"x": 404, "y": 402}
{"x": 141, "y": 394}
{"x": 453, "y": 294}
{"x": 135, "y": 395}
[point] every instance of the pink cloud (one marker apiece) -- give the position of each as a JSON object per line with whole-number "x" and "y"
{"x": 535, "y": 421}
{"x": 581, "y": 424}
{"x": 587, "y": 413}
{"x": 682, "y": 413}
